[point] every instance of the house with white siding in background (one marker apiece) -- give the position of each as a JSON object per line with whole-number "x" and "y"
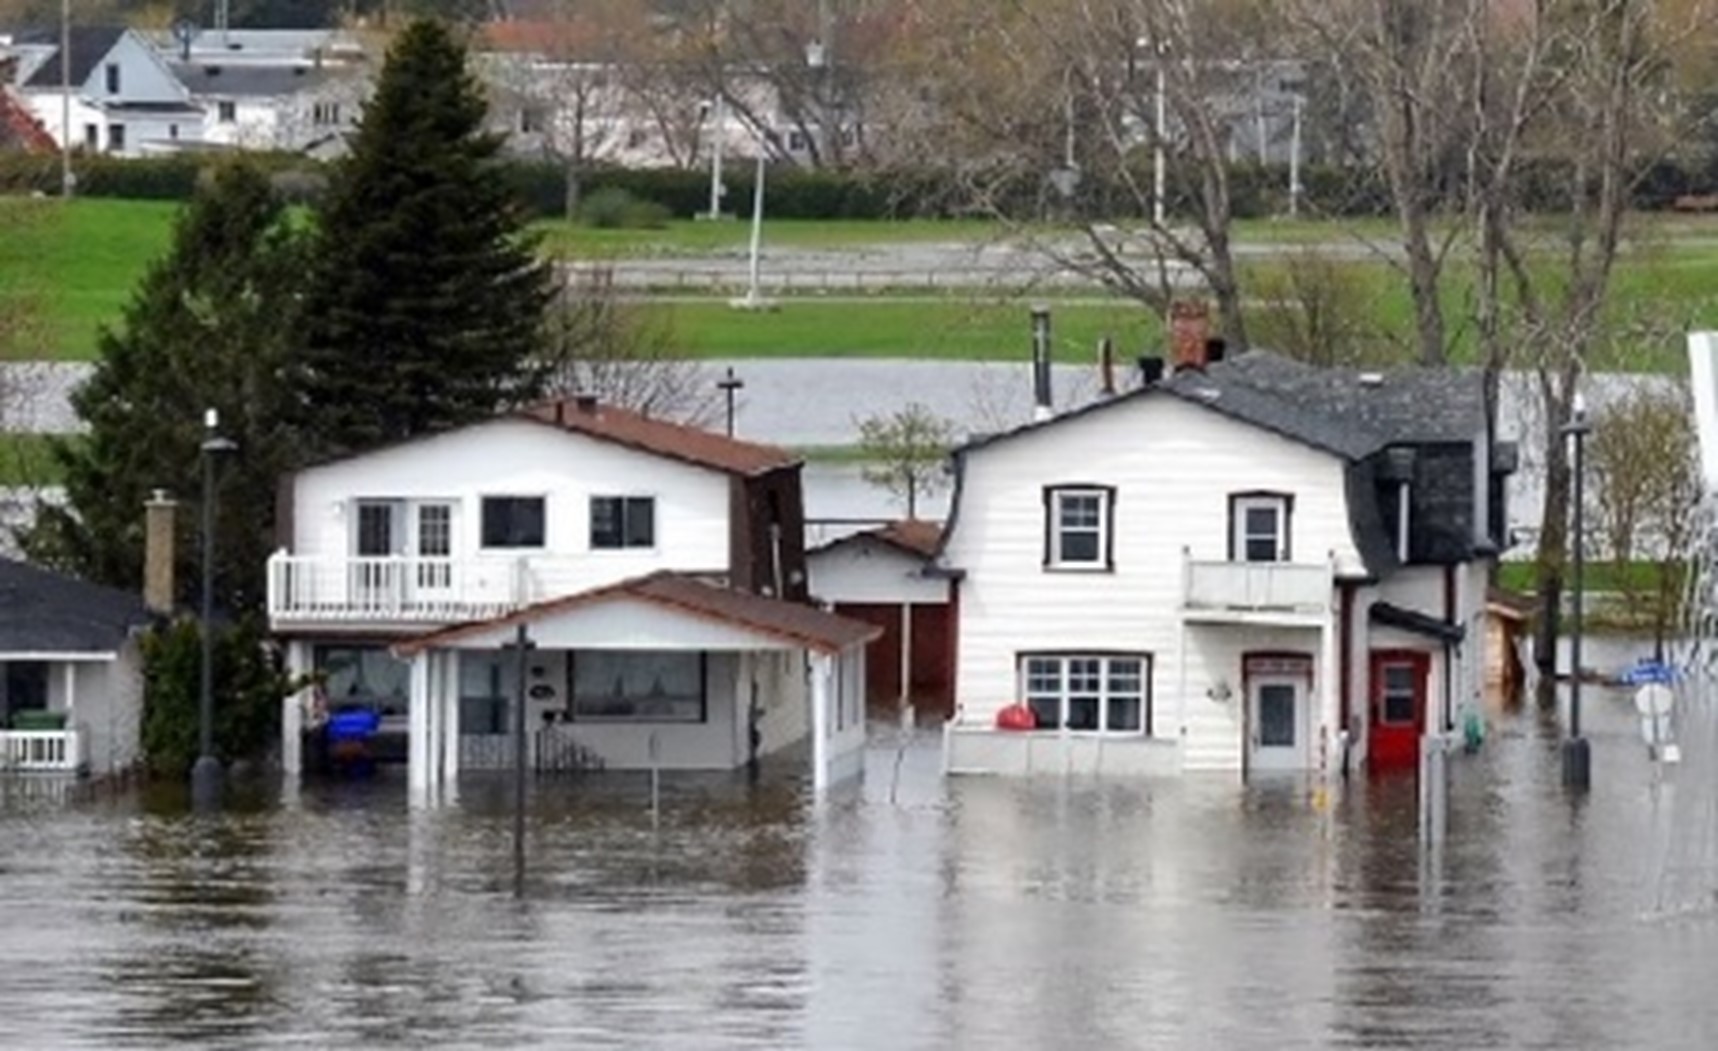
{"x": 657, "y": 570}
{"x": 1248, "y": 565}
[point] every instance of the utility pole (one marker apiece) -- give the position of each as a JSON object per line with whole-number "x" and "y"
{"x": 730, "y": 385}
{"x": 67, "y": 179}
{"x": 718, "y": 130}
{"x": 523, "y": 644}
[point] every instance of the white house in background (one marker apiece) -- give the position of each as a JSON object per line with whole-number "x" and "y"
{"x": 71, "y": 674}
{"x": 879, "y": 576}
{"x": 295, "y": 105}
{"x": 124, "y": 99}
{"x": 1254, "y": 565}
{"x": 659, "y": 570}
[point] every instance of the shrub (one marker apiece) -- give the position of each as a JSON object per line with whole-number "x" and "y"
{"x": 612, "y": 208}
{"x": 249, "y": 683}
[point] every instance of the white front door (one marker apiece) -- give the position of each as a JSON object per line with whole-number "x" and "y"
{"x": 1277, "y": 723}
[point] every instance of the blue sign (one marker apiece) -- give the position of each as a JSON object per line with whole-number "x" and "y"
{"x": 1646, "y": 672}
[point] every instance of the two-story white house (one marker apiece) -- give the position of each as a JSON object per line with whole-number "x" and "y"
{"x": 657, "y": 570}
{"x": 122, "y": 98}
{"x": 1252, "y": 565}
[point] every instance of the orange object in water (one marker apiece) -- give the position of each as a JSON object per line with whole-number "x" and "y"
{"x": 1016, "y": 717}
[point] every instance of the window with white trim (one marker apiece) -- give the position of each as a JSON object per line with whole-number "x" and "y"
{"x": 623, "y": 521}
{"x": 513, "y": 521}
{"x": 1398, "y": 703}
{"x": 1261, "y": 528}
{"x": 1102, "y": 693}
{"x": 1077, "y": 529}
{"x": 638, "y": 686}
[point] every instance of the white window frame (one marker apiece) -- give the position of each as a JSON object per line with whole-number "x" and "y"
{"x": 482, "y": 537}
{"x": 1033, "y": 669}
{"x": 1278, "y": 504}
{"x": 1058, "y": 529}
{"x": 623, "y": 546}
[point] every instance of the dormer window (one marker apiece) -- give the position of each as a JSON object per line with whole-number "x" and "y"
{"x": 1079, "y": 527}
{"x": 1259, "y": 527}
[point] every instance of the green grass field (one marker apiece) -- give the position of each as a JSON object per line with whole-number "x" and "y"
{"x": 79, "y": 264}
{"x": 27, "y": 459}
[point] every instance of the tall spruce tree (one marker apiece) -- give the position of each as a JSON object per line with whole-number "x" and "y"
{"x": 211, "y": 326}
{"x": 426, "y": 300}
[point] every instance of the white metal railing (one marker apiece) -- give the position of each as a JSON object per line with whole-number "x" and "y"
{"x": 42, "y": 751}
{"x": 411, "y": 589}
{"x": 1258, "y": 586}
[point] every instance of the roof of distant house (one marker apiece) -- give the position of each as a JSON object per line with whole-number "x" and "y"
{"x": 43, "y": 612}
{"x": 915, "y": 537}
{"x": 677, "y": 441}
{"x": 255, "y": 79}
{"x": 89, "y": 45}
{"x": 791, "y": 622}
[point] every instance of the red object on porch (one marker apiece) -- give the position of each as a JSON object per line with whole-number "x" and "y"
{"x": 1016, "y": 717}
{"x": 1399, "y": 691}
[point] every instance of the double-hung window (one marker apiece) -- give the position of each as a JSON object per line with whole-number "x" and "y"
{"x": 623, "y": 521}
{"x": 513, "y": 521}
{"x": 1259, "y": 527}
{"x": 1078, "y": 527}
{"x": 1103, "y": 693}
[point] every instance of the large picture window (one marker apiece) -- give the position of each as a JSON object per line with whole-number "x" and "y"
{"x": 1103, "y": 693}
{"x": 1077, "y": 527}
{"x": 644, "y": 687}
{"x": 513, "y": 521}
{"x": 623, "y": 521}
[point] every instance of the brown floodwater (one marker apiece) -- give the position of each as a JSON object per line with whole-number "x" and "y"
{"x": 905, "y": 912}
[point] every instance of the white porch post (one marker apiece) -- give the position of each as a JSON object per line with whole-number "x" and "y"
{"x": 1329, "y": 695}
{"x": 432, "y": 717}
{"x": 906, "y": 658}
{"x": 77, "y": 736}
{"x": 292, "y": 712}
{"x": 417, "y": 752}
{"x": 450, "y": 720}
{"x": 822, "y": 667}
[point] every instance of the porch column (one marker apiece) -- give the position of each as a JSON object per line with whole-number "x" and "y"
{"x": 432, "y": 719}
{"x": 417, "y": 750}
{"x": 292, "y": 711}
{"x": 822, "y": 667}
{"x": 1329, "y": 693}
{"x": 78, "y": 743}
{"x": 450, "y": 720}
{"x": 906, "y": 659}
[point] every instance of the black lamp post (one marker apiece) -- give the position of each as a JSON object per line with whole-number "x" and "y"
{"x": 206, "y": 774}
{"x": 1577, "y": 755}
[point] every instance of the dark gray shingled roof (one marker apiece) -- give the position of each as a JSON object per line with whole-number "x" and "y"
{"x": 1350, "y": 412}
{"x": 46, "y": 612}
{"x": 250, "y": 80}
{"x": 90, "y": 44}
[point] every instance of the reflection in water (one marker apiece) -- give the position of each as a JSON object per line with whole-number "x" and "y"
{"x": 974, "y": 913}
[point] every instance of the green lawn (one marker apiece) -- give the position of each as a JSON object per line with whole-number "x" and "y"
{"x": 78, "y": 265}
{"x": 26, "y": 459}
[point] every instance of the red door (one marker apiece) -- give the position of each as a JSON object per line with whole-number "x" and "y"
{"x": 1398, "y": 707}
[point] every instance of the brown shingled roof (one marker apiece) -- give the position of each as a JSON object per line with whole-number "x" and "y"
{"x": 912, "y": 536}
{"x": 792, "y": 622}
{"x": 678, "y": 441}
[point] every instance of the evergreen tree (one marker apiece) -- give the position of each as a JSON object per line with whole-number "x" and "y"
{"x": 426, "y": 299}
{"x": 210, "y": 326}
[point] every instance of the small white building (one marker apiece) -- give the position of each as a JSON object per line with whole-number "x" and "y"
{"x": 123, "y": 98}
{"x": 658, "y": 570}
{"x": 71, "y": 674}
{"x": 1253, "y": 565}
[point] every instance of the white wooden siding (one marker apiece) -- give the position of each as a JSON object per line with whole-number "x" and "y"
{"x": 520, "y": 458}
{"x": 866, "y": 570}
{"x": 1173, "y": 465}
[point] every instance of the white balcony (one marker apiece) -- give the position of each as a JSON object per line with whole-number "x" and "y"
{"x": 1256, "y": 590}
{"x": 410, "y": 590}
{"x": 41, "y": 751}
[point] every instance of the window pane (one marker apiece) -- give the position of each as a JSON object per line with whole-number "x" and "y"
{"x": 1082, "y": 713}
{"x": 1124, "y": 713}
{"x": 1079, "y": 547}
{"x": 1398, "y": 678}
{"x": 1399, "y": 708}
{"x": 1261, "y": 550}
{"x": 1043, "y": 676}
{"x": 1261, "y": 521}
{"x": 640, "y": 522}
{"x": 1276, "y": 716}
{"x": 1047, "y": 710}
{"x": 605, "y": 522}
{"x": 640, "y": 687}
{"x": 513, "y": 521}
{"x": 1081, "y": 511}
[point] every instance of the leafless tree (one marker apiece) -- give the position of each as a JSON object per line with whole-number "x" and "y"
{"x": 609, "y": 347}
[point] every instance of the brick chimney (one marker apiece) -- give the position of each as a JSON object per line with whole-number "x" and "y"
{"x": 1189, "y": 334}
{"x": 159, "y": 512}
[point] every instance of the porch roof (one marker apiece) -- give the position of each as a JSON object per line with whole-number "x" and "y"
{"x": 1393, "y": 616}
{"x": 683, "y": 596}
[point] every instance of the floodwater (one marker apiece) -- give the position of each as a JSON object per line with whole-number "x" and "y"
{"x": 906, "y": 912}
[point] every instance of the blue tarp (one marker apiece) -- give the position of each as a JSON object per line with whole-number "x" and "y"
{"x": 353, "y": 724}
{"x": 1646, "y": 672}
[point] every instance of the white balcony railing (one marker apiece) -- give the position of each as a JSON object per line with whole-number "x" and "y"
{"x": 41, "y": 751}
{"x": 409, "y": 589}
{"x": 1275, "y": 587}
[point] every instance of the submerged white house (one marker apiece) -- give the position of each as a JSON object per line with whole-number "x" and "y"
{"x": 658, "y": 572}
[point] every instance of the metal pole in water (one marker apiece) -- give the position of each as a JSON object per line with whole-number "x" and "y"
{"x": 1577, "y": 757}
{"x": 524, "y": 644}
{"x": 655, "y": 782}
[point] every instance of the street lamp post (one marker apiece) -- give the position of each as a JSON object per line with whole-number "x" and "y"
{"x": 1577, "y": 755}
{"x": 206, "y": 774}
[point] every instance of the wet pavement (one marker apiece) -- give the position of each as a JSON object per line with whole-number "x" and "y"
{"x": 905, "y": 912}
